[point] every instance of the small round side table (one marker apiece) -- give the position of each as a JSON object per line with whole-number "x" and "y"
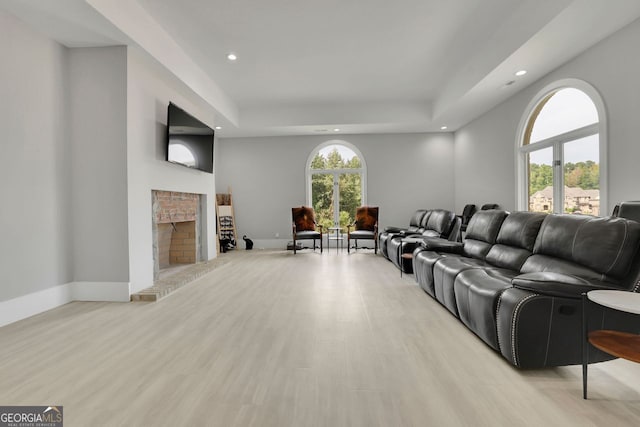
{"x": 616, "y": 343}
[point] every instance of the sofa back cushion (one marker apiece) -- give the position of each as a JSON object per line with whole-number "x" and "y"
{"x": 629, "y": 210}
{"x": 440, "y": 223}
{"x": 366, "y": 218}
{"x": 604, "y": 246}
{"x": 425, "y": 220}
{"x": 515, "y": 240}
{"x": 482, "y": 232}
{"x": 414, "y": 222}
{"x": 304, "y": 218}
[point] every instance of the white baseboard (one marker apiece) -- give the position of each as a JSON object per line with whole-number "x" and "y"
{"x": 37, "y": 302}
{"x": 279, "y": 243}
{"x": 266, "y": 244}
{"x": 101, "y": 291}
{"x": 29, "y": 305}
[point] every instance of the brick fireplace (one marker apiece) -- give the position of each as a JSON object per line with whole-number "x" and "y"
{"x": 176, "y": 229}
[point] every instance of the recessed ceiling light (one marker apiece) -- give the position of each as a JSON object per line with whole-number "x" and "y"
{"x": 336, "y": 130}
{"x": 232, "y": 56}
{"x": 521, "y": 73}
{"x": 443, "y": 128}
{"x": 218, "y": 127}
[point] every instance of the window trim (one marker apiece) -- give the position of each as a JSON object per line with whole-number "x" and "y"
{"x": 532, "y": 109}
{"x": 362, "y": 170}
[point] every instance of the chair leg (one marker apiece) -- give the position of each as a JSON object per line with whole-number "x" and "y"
{"x": 348, "y": 244}
{"x": 321, "y": 243}
{"x": 294, "y": 244}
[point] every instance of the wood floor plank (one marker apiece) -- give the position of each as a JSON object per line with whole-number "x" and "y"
{"x": 272, "y": 339}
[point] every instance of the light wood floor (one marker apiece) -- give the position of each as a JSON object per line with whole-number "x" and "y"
{"x": 272, "y": 339}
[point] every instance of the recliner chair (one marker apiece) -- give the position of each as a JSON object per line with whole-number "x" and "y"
{"x": 304, "y": 226}
{"x": 628, "y": 210}
{"x": 467, "y": 213}
{"x": 365, "y": 227}
{"x": 390, "y": 231}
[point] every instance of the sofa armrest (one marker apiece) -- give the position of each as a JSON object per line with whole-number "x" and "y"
{"x": 557, "y": 284}
{"x": 394, "y": 230}
{"x": 442, "y": 245}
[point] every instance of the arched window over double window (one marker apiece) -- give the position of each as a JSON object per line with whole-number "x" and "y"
{"x": 561, "y": 162}
{"x": 336, "y": 182}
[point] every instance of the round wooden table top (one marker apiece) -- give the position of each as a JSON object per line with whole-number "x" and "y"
{"x": 616, "y": 343}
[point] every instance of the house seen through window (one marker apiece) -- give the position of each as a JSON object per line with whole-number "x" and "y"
{"x": 560, "y": 152}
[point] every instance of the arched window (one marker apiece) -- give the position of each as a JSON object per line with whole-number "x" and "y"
{"x": 336, "y": 183}
{"x": 561, "y": 151}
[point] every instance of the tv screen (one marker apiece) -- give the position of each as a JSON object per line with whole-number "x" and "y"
{"x": 189, "y": 141}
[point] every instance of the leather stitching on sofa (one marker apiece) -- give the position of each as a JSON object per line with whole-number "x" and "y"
{"x": 514, "y": 325}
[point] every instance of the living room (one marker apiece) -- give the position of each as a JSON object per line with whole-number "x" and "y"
{"x": 84, "y": 128}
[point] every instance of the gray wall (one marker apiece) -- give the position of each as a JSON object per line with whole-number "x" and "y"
{"x": 35, "y": 213}
{"x": 150, "y": 87}
{"x": 98, "y": 109}
{"x": 82, "y": 148}
{"x": 485, "y": 149}
{"x": 267, "y": 176}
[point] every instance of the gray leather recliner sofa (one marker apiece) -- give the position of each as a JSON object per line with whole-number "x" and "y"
{"x": 517, "y": 279}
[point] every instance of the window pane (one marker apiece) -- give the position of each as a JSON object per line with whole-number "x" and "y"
{"x": 540, "y": 180}
{"x": 350, "y": 197}
{"x": 322, "y": 198}
{"x": 568, "y": 109}
{"x": 582, "y": 176}
{"x": 336, "y": 157}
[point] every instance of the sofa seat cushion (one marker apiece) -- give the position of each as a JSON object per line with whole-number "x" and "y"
{"x": 445, "y": 271}
{"x": 477, "y": 292}
{"x": 308, "y": 234}
{"x": 362, "y": 234}
{"x": 431, "y": 233}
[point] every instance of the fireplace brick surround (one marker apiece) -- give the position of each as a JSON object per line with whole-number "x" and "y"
{"x": 176, "y": 226}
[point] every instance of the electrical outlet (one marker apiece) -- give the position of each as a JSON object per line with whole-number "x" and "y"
{"x": 277, "y": 235}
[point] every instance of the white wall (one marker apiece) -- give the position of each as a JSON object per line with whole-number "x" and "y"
{"x": 149, "y": 89}
{"x": 35, "y": 244}
{"x": 484, "y": 153}
{"x": 267, "y": 176}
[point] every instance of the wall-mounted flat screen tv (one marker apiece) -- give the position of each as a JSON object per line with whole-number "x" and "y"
{"x": 189, "y": 141}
